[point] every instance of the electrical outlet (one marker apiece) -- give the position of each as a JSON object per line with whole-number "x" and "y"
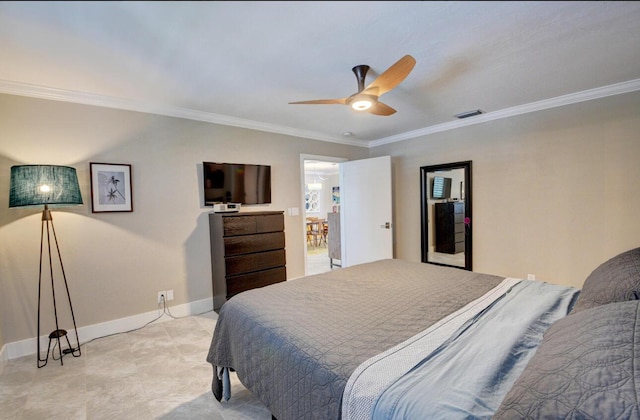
{"x": 169, "y": 295}
{"x": 160, "y": 295}
{"x": 531, "y": 276}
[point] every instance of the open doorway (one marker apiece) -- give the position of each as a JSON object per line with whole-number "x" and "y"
{"x": 321, "y": 184}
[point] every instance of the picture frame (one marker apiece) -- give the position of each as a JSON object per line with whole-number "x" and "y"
{"x": 111, "y": 187}
{"x": 335, "y": 195}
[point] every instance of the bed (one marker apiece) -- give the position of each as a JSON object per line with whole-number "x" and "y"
{"x": 395, "y": 339}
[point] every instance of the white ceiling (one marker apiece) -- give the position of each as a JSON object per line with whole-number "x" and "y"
{"x": 240, "y": 63}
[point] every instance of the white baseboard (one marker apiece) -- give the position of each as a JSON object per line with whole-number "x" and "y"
{"x": 28, "y": 347}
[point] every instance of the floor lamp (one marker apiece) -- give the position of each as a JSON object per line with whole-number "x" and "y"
{"x": 48, "y": 185}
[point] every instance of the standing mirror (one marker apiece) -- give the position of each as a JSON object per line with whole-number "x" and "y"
{"x": 446, "y": 214}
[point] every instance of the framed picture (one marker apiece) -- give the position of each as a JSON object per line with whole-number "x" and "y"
{"x": 335, "y": 195}
{"x": 110, "y": 187}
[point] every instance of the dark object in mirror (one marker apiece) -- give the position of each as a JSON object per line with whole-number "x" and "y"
{"x": 441, "y": 187}
{"x": 446, "y": 214}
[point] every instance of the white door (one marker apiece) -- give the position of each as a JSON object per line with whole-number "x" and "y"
{"x": 366, "y": 210}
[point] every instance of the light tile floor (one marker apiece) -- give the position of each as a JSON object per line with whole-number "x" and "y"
{"x": 157, "y": 372}
{"x": 318, "y": 260}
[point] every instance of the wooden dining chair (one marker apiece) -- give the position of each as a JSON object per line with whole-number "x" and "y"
{"x": 313, "y": 231}
{"x": 324, "y": 231}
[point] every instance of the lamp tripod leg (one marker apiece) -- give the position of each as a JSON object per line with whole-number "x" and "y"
{"x": 39, "y": 296}
{"x": 66, "y": 286}
{"x": 57, "y": 333}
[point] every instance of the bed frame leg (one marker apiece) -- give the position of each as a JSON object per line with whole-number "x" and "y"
{"x": 216, "y": 388}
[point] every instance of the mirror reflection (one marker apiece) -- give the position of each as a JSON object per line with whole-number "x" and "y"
{"x": 446, "y": 214}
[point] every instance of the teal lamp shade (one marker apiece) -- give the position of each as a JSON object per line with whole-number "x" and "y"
{"x": 34, "y": 185}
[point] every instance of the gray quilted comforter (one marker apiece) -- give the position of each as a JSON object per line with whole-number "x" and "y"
{"x": 295, "y": 344}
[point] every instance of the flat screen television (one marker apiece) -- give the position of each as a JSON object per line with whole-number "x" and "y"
{"x": 236, "y": 183}
{"x": 441, "y": 187}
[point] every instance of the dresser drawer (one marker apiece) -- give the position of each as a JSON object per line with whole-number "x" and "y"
{"x": 253, "y": 262}
{"x": 270, "y": 223}
{"x": 237, "y": 245}
{"x": 248, "y": 225}
{"x": 233, "y": 226}
{"x": 237, "y": 284}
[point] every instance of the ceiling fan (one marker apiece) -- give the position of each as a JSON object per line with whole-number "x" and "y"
{"x": 367, "y": 98}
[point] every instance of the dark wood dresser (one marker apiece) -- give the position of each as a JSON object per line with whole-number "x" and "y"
{"x": 247, "y": 251}
{"x": 450, "y": 227}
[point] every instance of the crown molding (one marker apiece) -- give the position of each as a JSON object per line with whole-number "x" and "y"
{"x": 54, "y": 94}
{"x": 572, "y": 98}
{"x": 42, "y": 92}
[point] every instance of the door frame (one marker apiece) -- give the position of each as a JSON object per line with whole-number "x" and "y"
{"x": 303, "y": 213}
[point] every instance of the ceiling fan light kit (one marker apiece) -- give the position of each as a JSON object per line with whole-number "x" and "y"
{"x": 361, "y": 101}
{"x": 368, "y": 98}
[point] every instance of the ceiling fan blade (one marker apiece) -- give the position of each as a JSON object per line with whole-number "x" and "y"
{"x": 391, "y": 77}
{"x": 341, "y": 101}
{"x": 381, "y": 109}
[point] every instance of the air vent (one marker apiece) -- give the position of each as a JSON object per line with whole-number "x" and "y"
{"x": 469, "y": 114}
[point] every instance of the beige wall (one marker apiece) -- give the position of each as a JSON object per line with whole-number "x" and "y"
{"x": 555, "y": 192}
{"x": 117, "y": 262}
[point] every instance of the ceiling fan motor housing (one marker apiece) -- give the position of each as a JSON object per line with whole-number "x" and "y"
{"x": 360, "y": 72}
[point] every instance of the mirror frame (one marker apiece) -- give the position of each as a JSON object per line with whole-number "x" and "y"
{"x": 424, "y": 170}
